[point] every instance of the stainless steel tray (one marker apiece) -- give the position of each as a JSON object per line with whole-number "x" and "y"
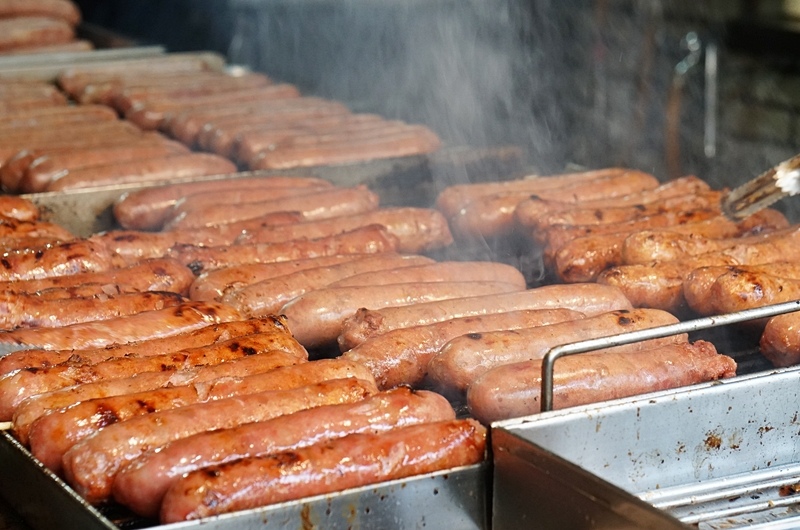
{"x": 716, "y": 455}
{"x": 455, "y": 498}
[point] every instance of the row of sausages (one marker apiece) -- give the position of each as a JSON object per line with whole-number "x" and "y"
{"x": 666, "y": 246}
{"x": 39, "y": 26}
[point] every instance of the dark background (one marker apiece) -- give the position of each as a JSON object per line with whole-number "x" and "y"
{"x": 578, "y": 83}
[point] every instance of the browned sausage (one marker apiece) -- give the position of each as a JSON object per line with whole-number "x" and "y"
{"x": 316, "y": 317}
{"x": 150, "y": 275}
{"x": 18, "y": 208}
{"x": 49, "y": 167}
{"x": 401, "y": 356}
{"x": 697, "y": 286}
{"x": 224, "y": 140}
{"x": 37, "y": 358}
{"x": 12, "y": 228}
{"x": 780, "y": 341}
{"x": 142, "y": 484}
{"x": 738, "y": 290}
{"x": 269, "y": 296}
{"x": 413, "y": 140}
{"x": 313, "y": 206}
{"x": 367, "y": 240}
{"x": 514, "y": 390}
{"x": 134, "y": 246}
{"x": 16, "y": 387}
{"x": 463, "y": 359}
{"x": 72, "y": 257}
{"x": 23, "y": 310}
{"x": 442, "y": 271}
{"x": 91, "y": 465}
{"x": 142, "y": 171}
{"x": 72, "y": 424}
{"x": 321, "y": 468}
{"x": 588, "y": 298}
{"x": 61, "y": 9}
{"x": 213, "y": 285}
{"x": 142, "y": 326}
{"x": 417, "y": 229}
{"x": 531, "y": 211}
{"x": 147, "y": 209}
{"x": 660, "y": 284}
{"x": 222, "y": 374}
{"x": 26, "y": 30}
{"x": 12, "y": 244}
{"x": 155, "y": 114}
{"x": 51, "y": 116}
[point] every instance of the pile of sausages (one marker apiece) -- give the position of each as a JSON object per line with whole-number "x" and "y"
{"x": 39, "y": 26}
{"x": 128, "y": 378}
{"x": 666, "y": 246}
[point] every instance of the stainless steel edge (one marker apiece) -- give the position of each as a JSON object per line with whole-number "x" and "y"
{"x": 75, "y": 58}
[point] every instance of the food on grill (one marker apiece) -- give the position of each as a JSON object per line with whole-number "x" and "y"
{"x": 587, "y": 298}
{"x": 270, "y": 295}
{"x": 323, "y": 204}
{"x": 18, "y": 209}
{"x": 147, "y": 209}
{"x": 316, "y": 317}
{"x": 142, "y": 484}
{"x": 514, "y": 390}
{"x": 367, "y": 240}
{"x": 91, "y": 465}
{"x": 463, "y": 359}
{"x": 355, "y": 460}
{"x": 71, "y": 257}
{"x": 211, "y": 334}
{"x": 47, "y": 167}
{"x": 30, "y": 31}
{"x": 60, "y": 9}
{"x": 417, "y": 229}
{"x": 141, "y": 326}
{"x": 401, "y": 356}
{"x": 780, "y": 341}
{"x": 51, "y": 116}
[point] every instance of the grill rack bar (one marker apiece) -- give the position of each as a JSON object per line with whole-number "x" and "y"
{"x": 586, "y": 346}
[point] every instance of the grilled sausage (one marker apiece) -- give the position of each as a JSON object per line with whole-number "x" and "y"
{"x": 26, "y": 30}
{"x": 147, "y": 209}
{"x": 135, "y": 246}
{"x": 18, "y": 208}
{"x": 463, "y": 359}
{"x": 51, "y": 435}
{"x": 316, "y": 317}
{"x": 453, "y": 198}
{"x": 493, "y": 216}
{"x": 320, "y": 468}
{"x": 160, "y": 274}
{"x": 738, "y": 290}
{"x": 50, "y": 116}
{"x": 587, "y": 298}
{"x": 366, "y": 240}
{"x": 49, "y": 167}
{"x": 313, "y": 206}
{"x": 16, "y": 387}
{"x": 21, "y": 310}
{"x": 413, "y": 140}
{"x": 514, "y": 390}
{"x": 229, "y": 373}
{"x": 401, "y": 356}
{"x": 780, "y": 341}
{"x": 697, "y": 286}
{"x": 216, "y": 284}
{"x": 417, "y": 229}
{"x": 142, "y": 326}
{"x": 142, "y": 484}
{"x": 60, "y": 9}
{"x": 13, "y": 228}
{"x": 91, "y": 465}
{"x": 141, "y": 171}
{"x": 62, "y": 259}
{"x": 660, "y": 284}
{"x": 269, "y": 296}
{"x": 443, "y": 271}
{"x": 211, "y": 334}
{"x": 531, "y": 212}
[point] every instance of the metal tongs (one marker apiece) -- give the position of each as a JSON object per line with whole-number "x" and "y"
{"x": 781, "y": 181}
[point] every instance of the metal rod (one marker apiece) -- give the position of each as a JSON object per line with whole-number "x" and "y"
{"x": 585, "y": 346}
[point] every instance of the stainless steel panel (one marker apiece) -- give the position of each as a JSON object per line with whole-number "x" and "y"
{"x": 722, "y": 454}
